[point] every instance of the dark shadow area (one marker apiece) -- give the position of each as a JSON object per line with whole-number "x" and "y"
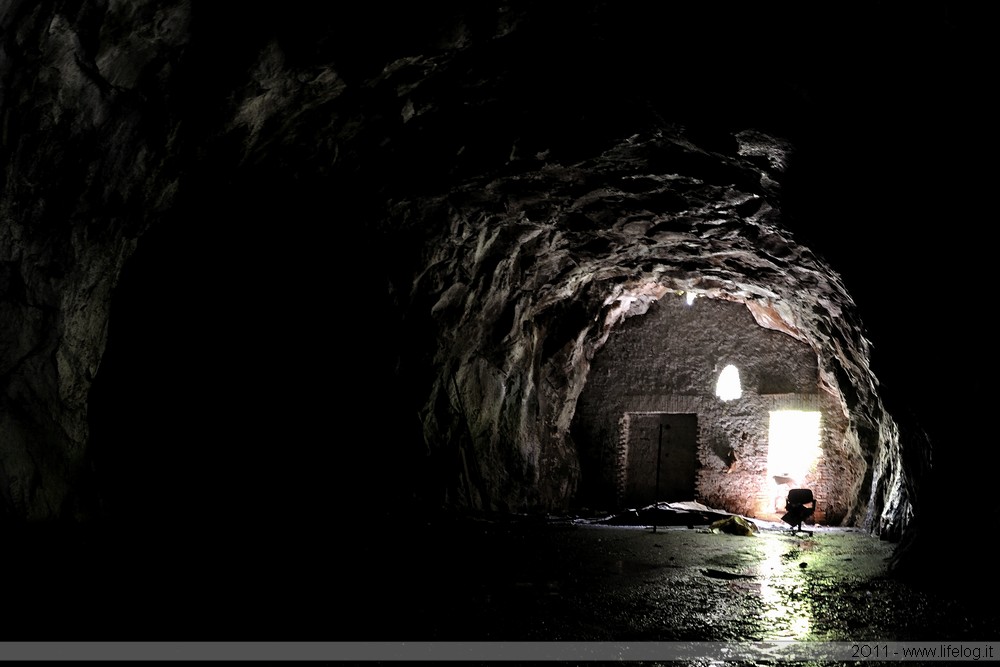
{"x": 247, "y": 382}
{"x": 509, "y": 579}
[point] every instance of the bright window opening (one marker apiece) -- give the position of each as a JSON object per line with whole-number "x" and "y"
{"x": 728, "y": 387}
{"x": 793, "y": 450}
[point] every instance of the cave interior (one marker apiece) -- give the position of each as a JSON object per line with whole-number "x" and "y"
{"x": 344, "y": 267}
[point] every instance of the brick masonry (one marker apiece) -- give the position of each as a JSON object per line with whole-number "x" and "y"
{"x": 666, "y": 363}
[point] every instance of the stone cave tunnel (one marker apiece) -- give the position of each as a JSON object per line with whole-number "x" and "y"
{"x": 265, "y": 272}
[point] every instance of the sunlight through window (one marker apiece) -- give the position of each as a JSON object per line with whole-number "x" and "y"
{"x": 793, "y": 450}
{"x": 728, "y": 387}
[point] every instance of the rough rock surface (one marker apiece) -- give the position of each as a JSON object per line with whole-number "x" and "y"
{"x": 508, "y": 186}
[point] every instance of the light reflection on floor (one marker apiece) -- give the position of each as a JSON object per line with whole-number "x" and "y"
{"x": 786, "y": 609}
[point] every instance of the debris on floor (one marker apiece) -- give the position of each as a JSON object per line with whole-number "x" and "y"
{"x": 722, "y": 574}
{"x": 688, "y": 513}
{"x": 734, "y": 525}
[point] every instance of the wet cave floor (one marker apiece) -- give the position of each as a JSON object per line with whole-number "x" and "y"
{"x": 587, "y": 582}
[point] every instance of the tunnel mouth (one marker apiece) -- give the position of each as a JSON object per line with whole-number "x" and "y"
{"x": 657, "y": 422}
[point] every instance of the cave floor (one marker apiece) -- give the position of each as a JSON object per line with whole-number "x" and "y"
{"x": 478, "y": 580}
{"x": 587, "y": 582}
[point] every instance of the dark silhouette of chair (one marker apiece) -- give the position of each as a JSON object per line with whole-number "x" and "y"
{"x": 799, "y": 506}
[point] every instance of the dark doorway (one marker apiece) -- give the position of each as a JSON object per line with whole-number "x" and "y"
{"x": 675, "y": 438}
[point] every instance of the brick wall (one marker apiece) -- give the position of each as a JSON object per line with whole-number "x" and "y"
{"x": 668, "y": 361}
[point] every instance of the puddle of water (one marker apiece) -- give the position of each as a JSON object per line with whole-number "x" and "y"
{"x": 787, "y": 613}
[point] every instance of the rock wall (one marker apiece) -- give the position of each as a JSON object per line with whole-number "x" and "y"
{"x": 523, "y": 297}
{"x": 498, "y": 227}
{"x": 88, "y": 164}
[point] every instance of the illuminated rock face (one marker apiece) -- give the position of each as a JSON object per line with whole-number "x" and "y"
{"x": 522, "y": 301}
{"x": 507, "y": 186}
